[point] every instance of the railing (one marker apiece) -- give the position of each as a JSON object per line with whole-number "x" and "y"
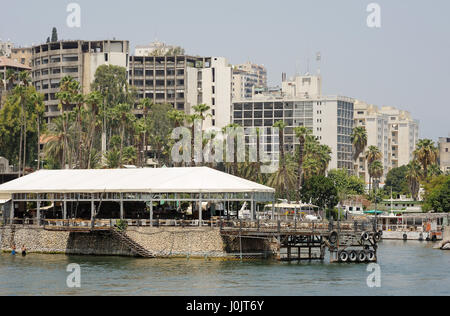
{"x": 224, "y": 225}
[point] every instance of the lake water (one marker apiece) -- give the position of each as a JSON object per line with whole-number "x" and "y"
{"x": 411, "y": 268}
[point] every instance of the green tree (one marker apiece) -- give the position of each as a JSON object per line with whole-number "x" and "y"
{"x": 320, "y": 191}
{"x": 376, "y": 170}
{"x": 54, "y": 35}
{"x": 301, "y": 133}
{"x": 359, "y": 141}
{"x": 18, "y": 127}
{"x": 373, "y": 154}
{"x": 426, "y": 154}
{"x": 346, "y": 184}
{"x": 397, "y": 181}
{"x": 413, "y": 175}
{"x": 437, "y": 196}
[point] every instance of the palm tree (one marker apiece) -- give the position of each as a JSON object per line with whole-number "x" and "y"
{"x": 177, "y": 117}
{"x": 317, "y": 157}
{"x": 434, "y": 170}
{"x": 38, "y": 101}
{"x": 123, "y": 113}
{"x": 54, "y": 148}
{"x": 376, "y": 170}
{"x": 145, "y": 105}
{"x": 359, "y": 141}
{"x": 191, "y": 120}
{"x": 24, "y": 78}
{"x": 413, "y": 175}
{"x": 301, "y": 133}
{"x": 426, "y": 154}
{"x": 69, "y": 87}
{"x": 234, "y": 164}
{"x": 284, "y": 179}
{"x": 10, "y": 77}
{"x": 93, "y": 100}
{"x": 129, "y": 155}
{"x": 373, "y": 154}
{"x": 281, "y": 125}
{"x": 20, "y": 91}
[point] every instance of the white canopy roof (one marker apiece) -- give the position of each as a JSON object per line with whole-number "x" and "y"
{"x": 162, "y": 180}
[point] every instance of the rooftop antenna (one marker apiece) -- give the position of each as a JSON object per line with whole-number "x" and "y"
{"x": 318, "y": 59}
{"x": 307, "y": 67}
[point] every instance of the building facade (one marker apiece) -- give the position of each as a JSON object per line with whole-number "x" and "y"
{"x": 22, "y": 55}
{"x": 444, "y": 154}
{"x": 5, "y": 65}
{"x": 393, "y": 131}
{"x": 184, "y": 82}
{"x": 307, "y": 86}
{"x": 157, "y": 49}
{"x": 258, "y": 70}
{"x": 330, "y": 119}
{"x": 243, "y": 84}
{"x": 5, "y": 48}
{"x": 78, "y": 59}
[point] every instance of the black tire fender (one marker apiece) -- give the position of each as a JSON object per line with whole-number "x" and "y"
{"x": 343, "y": 256}
{"x": 353, "y": 256}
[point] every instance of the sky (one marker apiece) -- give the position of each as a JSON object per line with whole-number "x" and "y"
{"x": 405, "y": 63}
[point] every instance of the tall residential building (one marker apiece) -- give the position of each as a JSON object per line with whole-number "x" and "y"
{"x": 393, "y": 131}
{"x": 329, "y": 117}
{"x": 22, "y": 55}
{"x": 78, "y": 59}
{"x": 444, "y": 154}
{"x": 185, "y": 81}
{"x": 259, "y": 70}
{"x": 243, "y": 84}
{"x": 5, "y": 48}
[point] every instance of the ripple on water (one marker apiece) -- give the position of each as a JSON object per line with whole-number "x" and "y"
{"x": 406, "y": 269}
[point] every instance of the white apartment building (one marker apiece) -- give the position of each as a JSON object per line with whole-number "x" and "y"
{"x": 392, "y": 130}
{"x": 184, "y": 82}
{"x": 329, "y": 117}
{"x": 307, "y": 86}
{"x": 259, "y": 71}
{"x": 444, "y": 154}
{"x": 243, "y": 84}
{"x": 211, "y": 86}
{"x": 51, "y": 62}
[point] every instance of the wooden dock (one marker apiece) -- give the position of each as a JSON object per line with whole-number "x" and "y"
{"x": 352, "y": 242}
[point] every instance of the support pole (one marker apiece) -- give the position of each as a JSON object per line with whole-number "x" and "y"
{"x": 65, "y": 207}
{"x": 38, "y": 211}
{"x": 11, "y": 212}
{"x": 121, "y": 206}
{"x": 252, "y": 207}
{"x": 273, "y": 208}
{"x": 151, "y": 211}
{"x": 92, "y": 209}
{"x": 200, "y": 209}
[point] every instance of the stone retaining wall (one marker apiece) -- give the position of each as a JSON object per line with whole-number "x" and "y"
{"x": 194, "y": 242}
{"x": 38, "y": 240}
{"x": 162, "y": 242}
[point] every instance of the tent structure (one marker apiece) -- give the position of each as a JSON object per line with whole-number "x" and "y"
{"x": 198, "y": 184}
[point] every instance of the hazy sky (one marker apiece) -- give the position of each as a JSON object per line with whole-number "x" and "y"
{"x": 405, "y": 63}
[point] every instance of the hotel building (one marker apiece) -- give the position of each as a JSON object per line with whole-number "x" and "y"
{"x": 80, "y": 59}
